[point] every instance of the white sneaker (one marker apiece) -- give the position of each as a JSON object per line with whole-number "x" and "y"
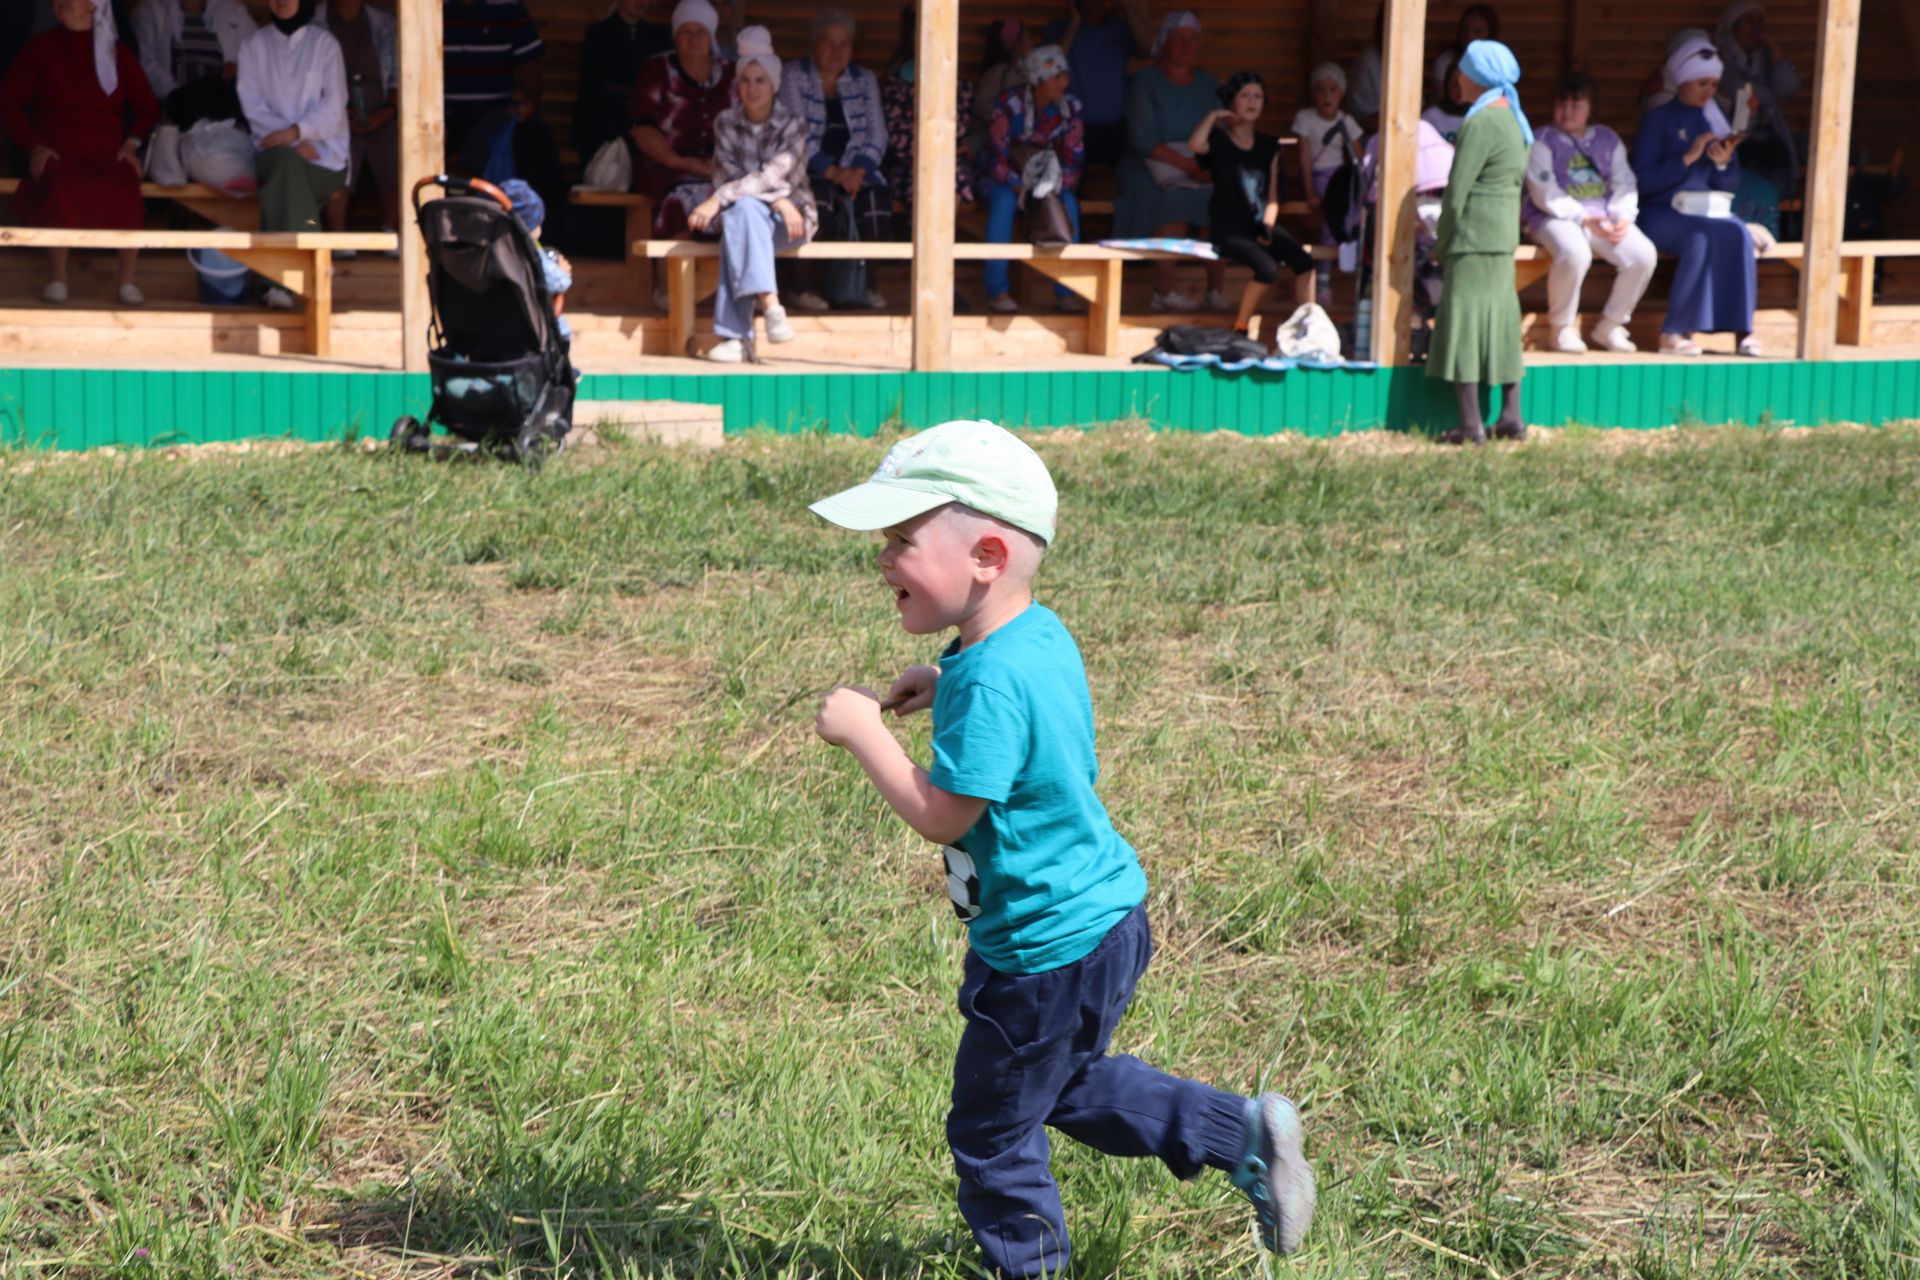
{"x": 877, "y": 300}
{"x": 1678, "y": 344}
{"x": 130, "y": 295}
{"x": 1003, "y": 303}
{"x": 732, "y": 351}
{"x": 1567, "y": 341}
{"x": 277, "y": 299}
{"x": 55, "y": 292}
{"x": 1752, "y": 348}
{"x": 660, "y": 298}
{"x": 1217, "y": 300}
{"x": 806, "y": 301}
{"x": 779, "y": 328}
{"x": 1173, "y": 301}
{"x": 1614, "y": 338}
{"x": 1072, "y": 305}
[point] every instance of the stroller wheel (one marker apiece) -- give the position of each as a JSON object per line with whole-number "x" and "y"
{"x": 535, "y": 447}
{"x": 408, "y": 435}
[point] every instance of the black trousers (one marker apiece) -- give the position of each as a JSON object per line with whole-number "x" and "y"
{"x": 1266, "y": 259}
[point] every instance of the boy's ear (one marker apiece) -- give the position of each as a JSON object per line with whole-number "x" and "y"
{"x": 990, "y": 553}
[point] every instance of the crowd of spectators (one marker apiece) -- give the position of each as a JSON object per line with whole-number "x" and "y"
{"x": 829, "y": 153}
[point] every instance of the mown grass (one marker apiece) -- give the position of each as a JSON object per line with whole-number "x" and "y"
{"x": 416, "y": 869}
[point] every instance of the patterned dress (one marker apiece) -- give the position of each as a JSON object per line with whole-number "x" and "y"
{"x": 896, "y": 102}
{"x": 51, "y": 97}
{"x": 683, "y": 109}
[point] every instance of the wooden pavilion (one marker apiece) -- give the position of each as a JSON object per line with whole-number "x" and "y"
{"x": 87, "y": 373}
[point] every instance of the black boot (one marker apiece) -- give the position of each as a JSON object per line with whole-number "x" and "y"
{"x": 1510, "y": 425}
{"x": 1472, "y": 428}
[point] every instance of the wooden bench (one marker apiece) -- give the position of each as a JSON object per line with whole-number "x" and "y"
{"x": 242, "y": 213}
{"x": 1092, "y": 271}
{"x": 639, "y": 229}
{"x": 298, "y": 261}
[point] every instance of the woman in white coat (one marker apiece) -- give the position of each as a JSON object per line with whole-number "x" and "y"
{"x": 293, "y": 85}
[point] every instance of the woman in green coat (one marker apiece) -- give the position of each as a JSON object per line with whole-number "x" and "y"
{"x": 1476, "y": 335}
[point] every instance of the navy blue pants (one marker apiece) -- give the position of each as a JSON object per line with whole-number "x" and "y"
{"x": 1034, "y": 1055}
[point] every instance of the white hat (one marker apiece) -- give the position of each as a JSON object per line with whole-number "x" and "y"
{"x": 976, "y": 463}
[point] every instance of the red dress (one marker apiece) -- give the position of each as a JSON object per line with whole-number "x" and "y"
{"x": 51, "y": 97}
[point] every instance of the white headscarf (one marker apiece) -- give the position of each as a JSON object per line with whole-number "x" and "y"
{"x": 755, "y": 44}
{"x": 1328, "y": 71}
{"x": 1047, "y": 60}
{"x": 1695, "y": 58}
{"x": 1179, "y": 19}
{"x": 701, "y": 12}
{"x": 106, "y": 66}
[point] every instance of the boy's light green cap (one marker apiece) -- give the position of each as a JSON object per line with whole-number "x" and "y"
{"x": 980, "y": 464}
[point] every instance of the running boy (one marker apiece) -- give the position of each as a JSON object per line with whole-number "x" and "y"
{"x": 1053, "y": 897}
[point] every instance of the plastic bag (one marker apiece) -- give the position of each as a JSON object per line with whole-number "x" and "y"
{"x": 843, "y": 281}
{"x": 611, "y": 168}
{"x": 164, "y": 164}
{"x": 1308, "y": 334}
{"x": 219, "y": 154}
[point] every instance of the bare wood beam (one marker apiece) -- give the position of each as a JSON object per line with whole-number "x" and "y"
{"x": 423, "y": 144}
{"x": 936, "y": 88}
{"x": 1402, "y": 68}
{"x": 1826, "y": 202}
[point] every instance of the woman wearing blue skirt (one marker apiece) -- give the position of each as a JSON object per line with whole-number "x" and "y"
{"x": 1684, "y": 158}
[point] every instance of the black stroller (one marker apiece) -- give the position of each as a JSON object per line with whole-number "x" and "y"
{"x": 501, "y": 373}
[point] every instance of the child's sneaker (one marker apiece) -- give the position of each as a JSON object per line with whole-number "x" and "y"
{"x": 1274, "y": 1174}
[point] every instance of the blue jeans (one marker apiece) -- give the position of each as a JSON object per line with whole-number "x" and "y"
{"x": 750, "y": 232}
{"x": 1002, "y": 200}
{"x": 1034, "y": 1055}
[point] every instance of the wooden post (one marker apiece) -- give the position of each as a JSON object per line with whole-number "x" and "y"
{"x": 1826, "y": 203}
{"x": 423, "y": 144}
{"x": 1401, "y": 71}
{"x": 936, "y": 89}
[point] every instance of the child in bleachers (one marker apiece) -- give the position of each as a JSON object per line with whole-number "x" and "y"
{"x": 1449, "y": 109}
{"x": 1582, "y": 201}
{"x": 1328, "y": 138}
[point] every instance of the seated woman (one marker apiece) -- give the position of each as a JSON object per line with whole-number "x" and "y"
{"x": 676, "y": 99}
{"x": 761, "y": 200}
{"x": 1003, "y": 66}
{"x": 1755, "y": 67}
{"x": 1242, "y": 215}
{"x": 1449, "y": 108}
{"x": 1582, "y": 201}
{"x": 77, "y": 103}
{"x": 190, "y": 52}
{"x": 1684, "y": 160}
{"x": 611, "y": 55}
{"x": 1039, "y": 115}
{"x": 293, "y": 87}
{"x": 1164, "y": 190}
{"x": 846, "y": 135}
{"x": 896, "y": 102}
{"x": 1477, "y": 22}
{"x": 370, "y": 50}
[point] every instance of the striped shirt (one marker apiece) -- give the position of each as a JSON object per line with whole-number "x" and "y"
{"x": 196, "y": 50}
{"x": 486, "y": 40}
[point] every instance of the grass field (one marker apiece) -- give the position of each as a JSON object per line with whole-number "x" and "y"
{"x": 412, "y": 869}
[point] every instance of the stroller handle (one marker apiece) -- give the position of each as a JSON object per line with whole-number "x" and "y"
{"x": 460, "y": 187}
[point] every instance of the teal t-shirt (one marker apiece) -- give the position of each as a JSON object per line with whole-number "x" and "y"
{"x": 1043, "y": 875}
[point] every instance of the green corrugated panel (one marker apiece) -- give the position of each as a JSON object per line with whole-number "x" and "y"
{"x": 71, "y": 408}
